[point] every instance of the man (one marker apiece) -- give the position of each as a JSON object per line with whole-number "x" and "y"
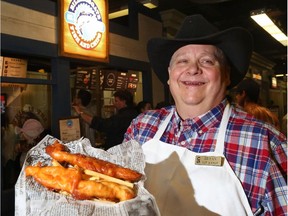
{"x": 143, "y": 106}
{"x": 247, "y": 96}
{"x": 115, "y": 126}
{"x": 83, "y": 100}
{"x": 234, "y": 163}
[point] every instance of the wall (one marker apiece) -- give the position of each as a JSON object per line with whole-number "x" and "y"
{"x": 31, "y": 29}
{"x": 26, "y": 23}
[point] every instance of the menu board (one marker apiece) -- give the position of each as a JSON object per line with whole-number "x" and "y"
{"x": 115, "y": 80}
{"x": 86, "y": 79}
{"x": 133, "y": 80}
{"x": 122, "y": 81}
{"x": 93, "y": 81}
{"x": 109, "y": 80}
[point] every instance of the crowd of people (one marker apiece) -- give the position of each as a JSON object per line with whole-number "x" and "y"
{"x": 115, "y": 126}
{"x": 126, "y": 111}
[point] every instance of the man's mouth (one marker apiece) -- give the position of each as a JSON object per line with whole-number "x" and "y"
{"x": 194, "y": 83}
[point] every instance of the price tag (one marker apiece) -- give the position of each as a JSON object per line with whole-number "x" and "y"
{"x": 209, "y": 160}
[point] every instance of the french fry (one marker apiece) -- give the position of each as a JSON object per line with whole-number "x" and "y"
{"x": 108, "y": 178}
{"x": 92, "y": 175}
{"x": 55, "y": 163}
{"x": 93, "y": 178}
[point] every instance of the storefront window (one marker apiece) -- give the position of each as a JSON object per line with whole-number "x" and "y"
{"x": 25, "y": 120}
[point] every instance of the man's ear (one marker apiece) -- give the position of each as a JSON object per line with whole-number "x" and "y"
{"x": 168, "y": 82}
{"x": 227, "y": 77}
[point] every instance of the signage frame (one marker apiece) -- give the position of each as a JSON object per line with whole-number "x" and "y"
{"x": 68, "y": 47}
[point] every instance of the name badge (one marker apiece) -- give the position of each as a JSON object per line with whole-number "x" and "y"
{"x": 209, "y": 160}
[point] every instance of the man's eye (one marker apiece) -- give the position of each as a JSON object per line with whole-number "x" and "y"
{"x": 182, "y": 61}
{"x": 207, "y": 61}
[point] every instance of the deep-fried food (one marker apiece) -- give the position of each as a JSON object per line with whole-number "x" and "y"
{"x": 70, "y": 180}
{"x": 57, "y": 152}
{"x": 103, "y": 190}
{"x": 96, "y": 175}
{"x": 55, "y": 177}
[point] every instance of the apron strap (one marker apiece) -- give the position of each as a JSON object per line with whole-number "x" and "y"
{"x": 222, "y": 130}
{"x": 163, "y": 126}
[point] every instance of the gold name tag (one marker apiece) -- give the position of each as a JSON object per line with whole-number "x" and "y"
{"x": 209, "y": 160}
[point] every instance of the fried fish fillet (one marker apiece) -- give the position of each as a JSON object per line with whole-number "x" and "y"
{"x": 57, "y": 151}
{"x": 59, "y": 178}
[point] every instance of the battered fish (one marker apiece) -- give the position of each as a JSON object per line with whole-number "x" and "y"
{"x": 59, "y": 178}
{"x": 57, "y": 151}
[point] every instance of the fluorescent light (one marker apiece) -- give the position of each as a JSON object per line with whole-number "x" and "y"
{"x": 150, "y": 3}
{"x": 281, "y": 75}
{"x": 120, "y": 13}
{"x": 268, "y": 25}
{"x": 123, "y": 11}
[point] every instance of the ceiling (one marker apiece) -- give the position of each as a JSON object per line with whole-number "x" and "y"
{"x": 227, "y": 13}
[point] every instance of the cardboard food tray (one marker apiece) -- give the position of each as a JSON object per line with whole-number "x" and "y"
{"x": 31, "y": 198}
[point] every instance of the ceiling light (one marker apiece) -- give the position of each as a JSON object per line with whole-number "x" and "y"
{"x": 150, "y": 3}
{"x": 261, "y": 18}
{"x": 119, "y": 13}
{"x": 124, "y": 11}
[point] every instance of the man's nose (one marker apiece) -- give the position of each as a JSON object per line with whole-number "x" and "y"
{"x": 193, "y": 68}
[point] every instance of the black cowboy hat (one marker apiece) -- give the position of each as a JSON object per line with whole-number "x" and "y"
{"x": 236, "y": 43}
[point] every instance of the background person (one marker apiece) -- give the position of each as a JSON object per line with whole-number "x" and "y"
{"x": 202, "y": 63}
{"x": 115, "y": 126}
{"x": 30, "y": 134}
{"x": 83, "y": 100}
{"x": 247, "y": 96}
{"x": 162, "y": 104}
{"x": 143, "y": 106}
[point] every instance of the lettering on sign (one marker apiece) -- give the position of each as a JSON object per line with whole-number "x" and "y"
{"x": 209, "y": 160}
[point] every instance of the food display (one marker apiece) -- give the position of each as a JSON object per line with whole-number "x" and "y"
{"x": 84, "y": 177}
{"x": 74, "y": 178}
{"x": 57, "y": 152}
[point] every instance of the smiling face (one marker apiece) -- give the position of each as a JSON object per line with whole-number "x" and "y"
{"x": 198, "y": 79}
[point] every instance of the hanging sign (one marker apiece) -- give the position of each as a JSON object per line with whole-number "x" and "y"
{"x": 14, "y": 67}
{"x": 84, "y": 29}
{"x": 133, "y": 79}
{"x": 115, "y": 80}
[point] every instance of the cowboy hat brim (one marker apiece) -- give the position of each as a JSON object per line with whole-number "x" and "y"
{"x": 236, "y": 43}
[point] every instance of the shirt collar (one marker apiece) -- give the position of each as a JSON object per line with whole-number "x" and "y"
{"x": 203, "y": 123}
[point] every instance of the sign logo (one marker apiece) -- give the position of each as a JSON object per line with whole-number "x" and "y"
{"x": 69, "y": 123}
{"x": 85, "y": 23}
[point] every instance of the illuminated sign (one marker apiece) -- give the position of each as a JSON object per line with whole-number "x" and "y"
{"x": 115, "y": 80}
{"x": 274, "y": 82}
{"x": 84, "y": 29}
{"x": 257, "y": 76}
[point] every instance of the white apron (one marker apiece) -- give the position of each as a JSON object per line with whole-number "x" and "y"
{"x": 183, "y": 188}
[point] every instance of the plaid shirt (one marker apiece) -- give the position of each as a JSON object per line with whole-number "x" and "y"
{"x": 256, "y": 151}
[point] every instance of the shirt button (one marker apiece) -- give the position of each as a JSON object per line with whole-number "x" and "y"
{"x": 182, "y": 143}
{"x": 200, "y": 131}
